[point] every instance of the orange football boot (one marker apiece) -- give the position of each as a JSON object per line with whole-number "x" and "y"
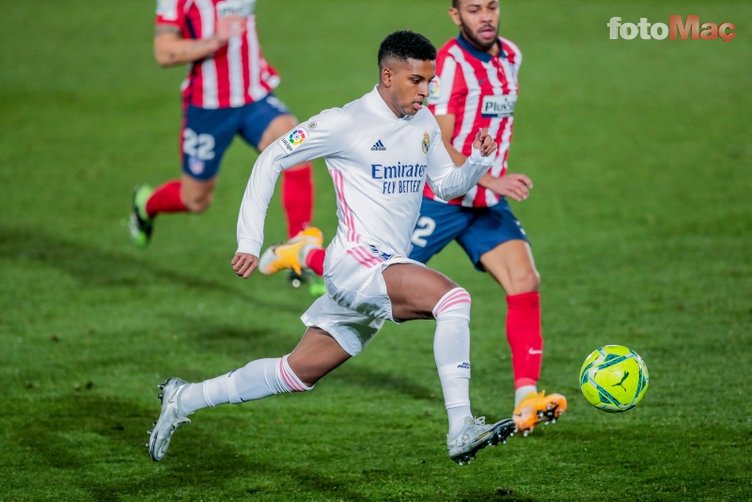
{"x": 538, "y": 408}
{"x": 289, "y": 255}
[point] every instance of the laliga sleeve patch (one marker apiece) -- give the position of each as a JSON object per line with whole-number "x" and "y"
{"x": 434, "y": 90}
{"x": 292, "y": 140}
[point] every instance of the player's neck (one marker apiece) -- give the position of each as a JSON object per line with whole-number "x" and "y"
{"x": 491, "y": 51}
{"x": 384, "y": 93}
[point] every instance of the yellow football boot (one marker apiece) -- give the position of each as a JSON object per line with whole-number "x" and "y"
{"x": 289, "y": 255}
{"x": 538, "y": 408}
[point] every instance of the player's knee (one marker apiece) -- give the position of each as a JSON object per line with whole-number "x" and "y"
{"x": 198, "y": 203}
{"x": 525, "y": 282}
{"x": 455, "y": 303}
{"x": 290, "y": 380}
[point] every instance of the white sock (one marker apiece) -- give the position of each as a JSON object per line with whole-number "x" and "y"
{"x": 256, "y": 380}
{"x": 455, "y": 383}
{"x": 303, "y": 253}
{"x": 522, "y": 392}
{"x": 451, "y": 351}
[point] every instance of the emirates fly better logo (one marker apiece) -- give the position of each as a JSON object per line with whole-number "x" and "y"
{"x": 676, "y": 29}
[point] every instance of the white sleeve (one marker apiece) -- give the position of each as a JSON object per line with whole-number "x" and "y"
{"x": 449, "y": 181}
{"x": 310, "y": 140}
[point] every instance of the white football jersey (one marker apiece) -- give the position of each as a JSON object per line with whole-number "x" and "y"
{"x": 379, "y": 164}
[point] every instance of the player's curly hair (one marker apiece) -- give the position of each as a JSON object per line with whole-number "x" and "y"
{"x": 404, "y": 45}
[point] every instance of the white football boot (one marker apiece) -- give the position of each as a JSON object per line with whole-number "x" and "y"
{"x": 476, "y": 435}
{"x": 170, "y": 418}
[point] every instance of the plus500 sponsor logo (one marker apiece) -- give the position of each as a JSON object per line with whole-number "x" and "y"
{"x": 676, "y": 29}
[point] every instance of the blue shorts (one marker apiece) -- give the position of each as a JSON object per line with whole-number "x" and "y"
{"x": 207, "y": 133}
{"x": 477, "y": 229}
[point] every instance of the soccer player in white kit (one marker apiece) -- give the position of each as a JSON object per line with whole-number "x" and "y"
{"x": 380, "y": 150}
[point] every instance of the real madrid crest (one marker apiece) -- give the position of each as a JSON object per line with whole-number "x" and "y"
{"x": 426, "y": 142}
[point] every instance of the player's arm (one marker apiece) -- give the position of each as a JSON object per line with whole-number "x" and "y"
{"x": 516, "y": 186}
{"x": 320, "y": 136}
{"x": 446, "y": 124}
{"x": 446, "y": 180}
{"x": 170, "y": 48}
{"x": 512, "y": 185}
{"x": 253, "y": 208}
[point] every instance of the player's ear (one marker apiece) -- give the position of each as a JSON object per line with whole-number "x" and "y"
{"x": 455, "y": 15}
{"x": 386, "y": 76}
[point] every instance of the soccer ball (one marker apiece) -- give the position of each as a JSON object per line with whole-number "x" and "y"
{"x": 614, "y": 378}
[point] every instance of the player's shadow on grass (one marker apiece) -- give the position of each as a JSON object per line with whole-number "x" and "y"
{"x": 102, "y": 439}
{"x": 97, "y": 267}
{"x": 242, "y": 342}
{"x": 377, "y": 380}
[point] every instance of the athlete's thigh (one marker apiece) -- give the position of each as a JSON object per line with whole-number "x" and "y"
{"x": 414, "y": 290}
{"x": 266, "y": 120}
{"x": 352, "y": 329}
{"x": 365, "y": 280}
{"x": 438, "y": 225}
{"x": 491, "y": 227}
{"x": 205, "y": 136}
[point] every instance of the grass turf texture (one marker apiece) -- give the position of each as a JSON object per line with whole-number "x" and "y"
{"x": 640, "y": 220}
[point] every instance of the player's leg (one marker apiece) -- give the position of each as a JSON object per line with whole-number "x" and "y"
{"x": 303, "y": 256}
{"x": 438, "y": 225}
{"x": 304, "y": 251}
{"x": 418, "y": 292}
{"x": 497, "y": 243}
{"x": 316, "y": 355}
{"x": 511, "y": 265}
{"x": 266, "y": 121}
{"x": 205, "y": 136}
{"x": 196, "y": 195}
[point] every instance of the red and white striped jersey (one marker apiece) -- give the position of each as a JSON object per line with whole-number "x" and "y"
{"x": 480, "y": 90}
{"x": 237, "y": 74}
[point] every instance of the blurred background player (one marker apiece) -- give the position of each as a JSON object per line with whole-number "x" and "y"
{"x": 368, "y": 276}
{"x": 228, "y": 91}
{"x": 476, "y": 86}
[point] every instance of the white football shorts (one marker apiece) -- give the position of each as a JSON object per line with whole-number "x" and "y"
{"x": 356, "y": 304}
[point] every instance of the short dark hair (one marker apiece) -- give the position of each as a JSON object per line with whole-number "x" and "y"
{"x": 404, "y": 45}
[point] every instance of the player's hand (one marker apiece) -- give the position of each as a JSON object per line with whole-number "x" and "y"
{"x": 244, "y": 264}
{"x": 230, "y": 26}
{"x": 484, "y": 143}
{"x": 515, "y": 186}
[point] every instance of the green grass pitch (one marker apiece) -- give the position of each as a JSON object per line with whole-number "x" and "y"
{"x": 641, "y": 222}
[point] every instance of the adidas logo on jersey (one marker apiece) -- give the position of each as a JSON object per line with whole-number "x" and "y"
{"x": 378, "y": 147}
